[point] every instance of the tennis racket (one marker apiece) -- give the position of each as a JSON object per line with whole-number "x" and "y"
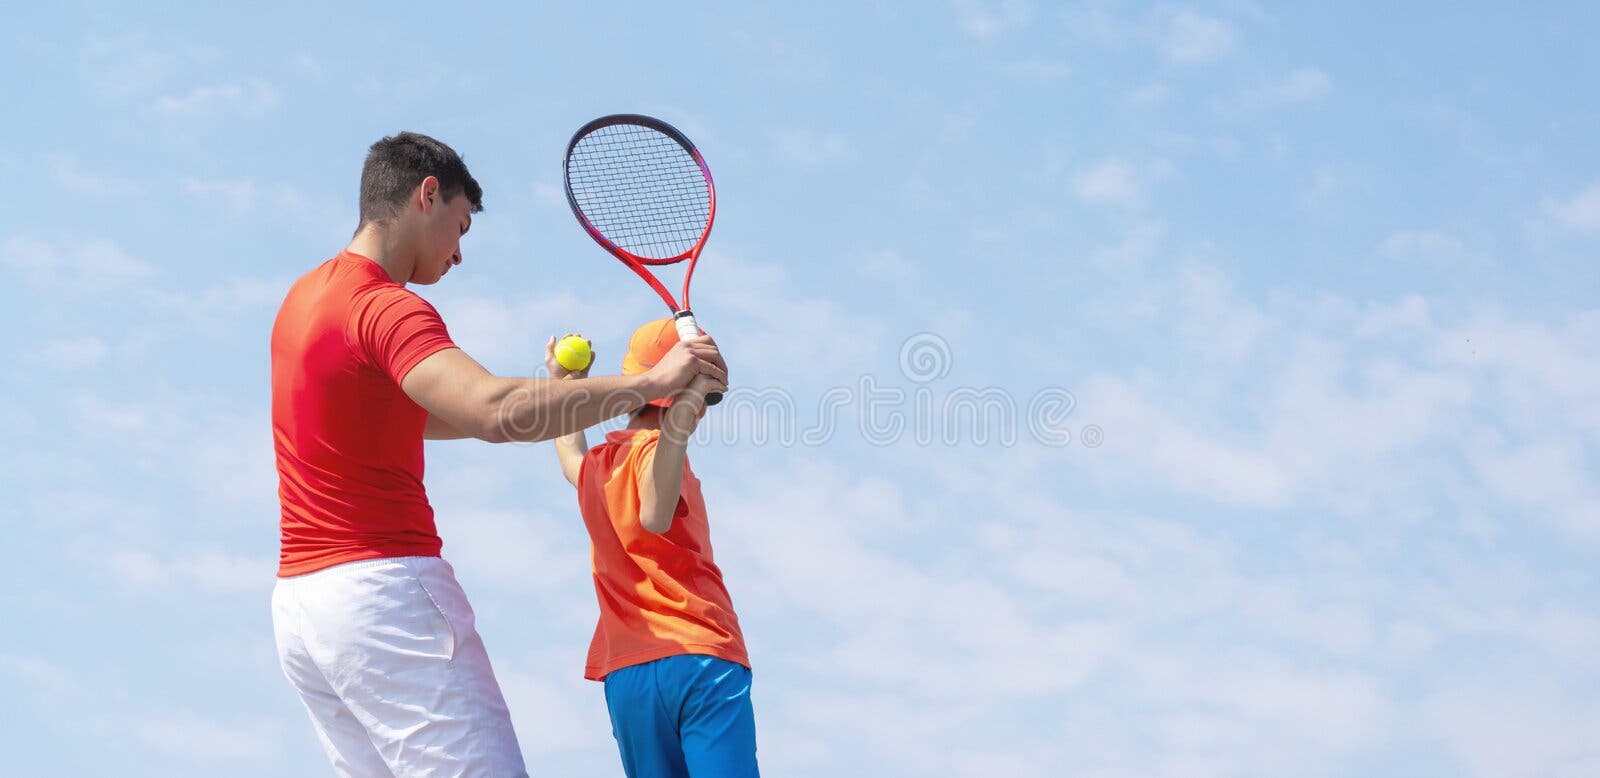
{"x": 640, "y": 188}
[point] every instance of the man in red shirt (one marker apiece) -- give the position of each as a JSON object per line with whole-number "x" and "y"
{"x": 372, "y": 628}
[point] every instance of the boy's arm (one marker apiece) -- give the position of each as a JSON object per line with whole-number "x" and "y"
{"x": 454, "y": 387}
{"x": 570, "y": 448}
{"x": 661, "y": 483}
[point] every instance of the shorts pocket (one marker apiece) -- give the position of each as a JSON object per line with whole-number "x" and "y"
{"x": 438, "y": 582}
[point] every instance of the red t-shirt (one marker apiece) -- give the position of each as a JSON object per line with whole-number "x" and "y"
{"x": 348, "y": 440}
{"x": 660, "y": 595}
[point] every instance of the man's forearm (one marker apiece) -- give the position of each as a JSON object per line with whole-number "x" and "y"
{"x": 533, "y": 409}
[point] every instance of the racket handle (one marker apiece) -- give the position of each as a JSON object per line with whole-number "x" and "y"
{"x": 687, "y": 328}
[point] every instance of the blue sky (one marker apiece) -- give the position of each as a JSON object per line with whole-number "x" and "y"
{"x": 1324, "y": 278}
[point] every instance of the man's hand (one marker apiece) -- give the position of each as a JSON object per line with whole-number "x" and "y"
{"x": 687, "y": 359}
{"x": 555, "y": 368}
{"x": 570, "y": 447}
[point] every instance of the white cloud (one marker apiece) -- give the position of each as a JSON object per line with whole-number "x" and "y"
{"x": 494, "y": 328}
{"x": 550, "y": 194}
{"x": 1549, "y": 477}
{"x": 237, "y": 197}
{"x": 214, "y": 570}
{"x": 984, "y": 20}
{"x": 782, "y": 58}
{"x": 246, "y": 197}
{"x": 1096, "y": 25}
{"x": 128, "y": 64}
{"x": 201, "y": 738}
{"x": 1432, "y": 246}
{"x": 1110, "y": 181}
{"x": 556, "y": 711}
{"x": 133, "y": 569}
{"x": 40, "y": 675}
{"x": 137, "y": 74}
{"x": 887, "y": 264}
{"x": 807, "y": 148}
{"x": 1501, "y": 724}
{"x": 1148, "y": 95}
{"x": 1298, "y": 86}
{"x": 191, "y": 568}
{"x": 78, "y": 264}
{"x": 1324, "y": 427}
{"x": 761, "y": 309}
{"x": 1180, "y": 36}
{"x": 1302, "y": 85}
{"x": 1189, "y": 38}
{"x": 72, "y": 353}
{"x": 1117, "y": 181}
{"x": 307, "y": 66}
{"x": 1139, "y": 242}
{"x": 66, "y": 173}
{"x": 1330, "y": 185}
{"x": 217, "y": 311}
{"x": 1146, "y": 440}
{"x": 1214, "y": 323}
{"x": 1035, "y": 69}
{"x": 1533, "y": 365}
{"x": 1580, "y": 212}
{"x": 1218, "y": 144}
{"x": 516, "y": 552}
{"x": 249, "y": 97}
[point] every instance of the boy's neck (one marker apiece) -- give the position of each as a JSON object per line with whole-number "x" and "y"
{"x": 645, "y": 421}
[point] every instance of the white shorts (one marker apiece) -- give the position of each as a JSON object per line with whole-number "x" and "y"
{"x": 386, "y": 656}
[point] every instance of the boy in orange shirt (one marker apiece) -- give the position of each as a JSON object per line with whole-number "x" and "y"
{"x": 667, "y": 645}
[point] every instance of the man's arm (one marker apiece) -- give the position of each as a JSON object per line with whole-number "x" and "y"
{"x": 437, "y": 429}
{"x": 661, "y": 483}
{"x": 463, "y": 395}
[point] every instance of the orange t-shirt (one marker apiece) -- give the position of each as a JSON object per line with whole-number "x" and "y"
{"x": 660, "y": 595}
{"x": 348, "y": 440}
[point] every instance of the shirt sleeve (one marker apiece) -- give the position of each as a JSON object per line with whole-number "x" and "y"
{"x": 395, "y": 329}
{"x": 643, "y": 457}
{"x": 644, "y": 454}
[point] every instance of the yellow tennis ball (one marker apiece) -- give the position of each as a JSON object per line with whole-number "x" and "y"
{"x": 572, "y": 353}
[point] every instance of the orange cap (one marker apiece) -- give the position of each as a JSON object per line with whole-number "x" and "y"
{"x": 648, "y": 345}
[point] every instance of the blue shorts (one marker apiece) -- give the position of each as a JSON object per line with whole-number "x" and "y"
{"x": 683, "y": 716}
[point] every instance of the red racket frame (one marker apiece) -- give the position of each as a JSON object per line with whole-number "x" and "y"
{"x": 635, "y": 262}
{"x": 682, "y": 315}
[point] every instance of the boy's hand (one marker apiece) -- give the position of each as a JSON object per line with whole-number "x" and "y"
{"x": 701, "y": 386}
{"x": 555, "y": 368}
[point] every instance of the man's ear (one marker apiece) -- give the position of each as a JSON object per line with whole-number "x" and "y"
{"x": 428, "y": 193}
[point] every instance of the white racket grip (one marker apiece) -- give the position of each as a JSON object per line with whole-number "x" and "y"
{"x": 687, "y": 328}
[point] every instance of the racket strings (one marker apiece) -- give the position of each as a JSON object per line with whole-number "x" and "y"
{"x": 641, "y": 190}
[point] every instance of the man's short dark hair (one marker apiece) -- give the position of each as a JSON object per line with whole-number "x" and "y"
{"x": 398, "y": 163}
